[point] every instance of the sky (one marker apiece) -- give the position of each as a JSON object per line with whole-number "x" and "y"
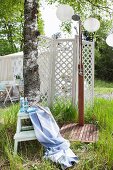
{"x": 51, "y": 22}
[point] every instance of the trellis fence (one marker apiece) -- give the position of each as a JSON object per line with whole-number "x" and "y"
{"x": 58, "y": 69}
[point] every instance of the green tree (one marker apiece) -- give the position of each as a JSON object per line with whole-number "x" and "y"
{"x": 87, "y": 7}
{"x": 11, "y": 26}
{"x": 103, "y": 53}
{"x": 11, "y": 20}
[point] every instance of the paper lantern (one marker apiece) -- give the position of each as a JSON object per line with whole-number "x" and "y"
{"x": 64, "y": 12}
{"x": 109, "y": 40}
{"x": 91, "y": 24}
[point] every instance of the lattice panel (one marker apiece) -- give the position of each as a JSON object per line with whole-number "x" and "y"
{"x": 64, "y": 54}
{"x": 44, "y": 59}
{"x": 88, "y": 61}
{"x": 57, "y": 61}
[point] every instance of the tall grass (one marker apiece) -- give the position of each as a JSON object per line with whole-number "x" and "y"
{"x": 8, "y": 117}
{"x": 103, "y": 87}
{"x": 99, "y": 156}
{"x": 101, "y": 114}
{"x": 103, "y": 84}
{"x": 96, "y": 156}
{"x": 64, "y": 112}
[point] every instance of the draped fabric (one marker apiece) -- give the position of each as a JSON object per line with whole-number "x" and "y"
{"x": 48, "y": 134}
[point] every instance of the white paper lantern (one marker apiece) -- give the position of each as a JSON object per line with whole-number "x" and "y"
{"x": 64, "y": 12}
{"x": 91, "y": 24}
{"x": 109, "y": 40}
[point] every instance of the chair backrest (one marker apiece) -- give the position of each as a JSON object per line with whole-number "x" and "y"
{"x": 6, "y": 69}
{"x": 8, "y": 82}
{"x": 2, "y": 87}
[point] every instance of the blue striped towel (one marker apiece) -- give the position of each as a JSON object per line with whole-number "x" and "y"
{"x": 48, "y": 134}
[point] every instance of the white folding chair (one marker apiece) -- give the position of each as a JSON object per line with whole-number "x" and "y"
{"x": 3, "y": 92}
{"x": 8, "y": 90}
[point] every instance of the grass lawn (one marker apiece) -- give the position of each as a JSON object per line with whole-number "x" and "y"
{"x": 97, "y": 156}
{"x": 102, "y": 87}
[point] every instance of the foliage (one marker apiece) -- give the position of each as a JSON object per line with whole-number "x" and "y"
{"x": 64, "y": 111}
{"x": 40, "y": 23}
{"x": 6, "y": 47}
{"x": 86, "y": 8}
{"x": 101, "y": 114}
{"x": 103, "y": 53}
{"x": 66, "y": 27}
{"x": 11, "y": 23}
{"x": 104, "y": 64}
{"x": 11, "y": 26}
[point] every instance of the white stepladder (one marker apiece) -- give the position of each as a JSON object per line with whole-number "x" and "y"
{"x": 23, "y": 133}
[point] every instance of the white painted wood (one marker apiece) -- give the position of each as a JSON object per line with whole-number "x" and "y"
{"x": 24, "y": 128}
{"x": 8, "y": 90}
{"x": 88, "y": 61}
{"x": 77, "y": 51}
{"x": 75, "y": 71}
{"x": 23, "y": 115}
{"x": 23, "y": 133}
{"x": 93, "y": 70}
{"x": 18, "y": 125}
{"x": 52, "y": 91}
{"x": 51, "y": 63}
{"x": 15, "y": 146}
{"x": 25, "y": 136}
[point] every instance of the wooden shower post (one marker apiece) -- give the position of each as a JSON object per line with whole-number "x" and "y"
{"x": 80, "y": 95}
{"x": 80, "y": 81}
{"x": 80, "y": 76}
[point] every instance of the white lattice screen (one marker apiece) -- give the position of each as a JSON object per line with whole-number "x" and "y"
{"x": 65, "y": 69}
{"x": 88, "y": 61}
{"x": 44, "y": 62}
{"x": 58, "y": 69}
